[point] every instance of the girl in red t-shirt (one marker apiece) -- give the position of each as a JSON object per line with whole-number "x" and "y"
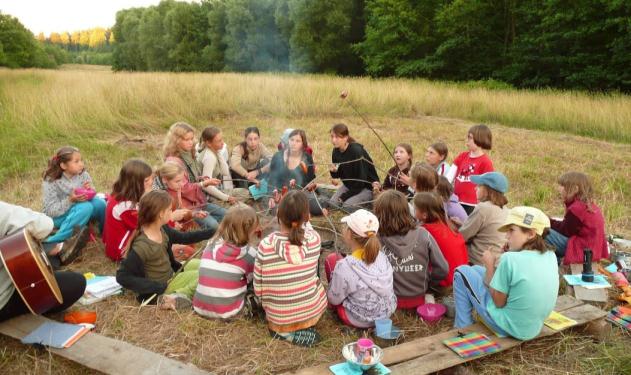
{"x": 472, "y": 162}
{"x": 430, "y": 212}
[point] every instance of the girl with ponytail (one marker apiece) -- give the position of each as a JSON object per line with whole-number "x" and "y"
{"x": 361, "y": 285}
{"x": 286, "y": 277}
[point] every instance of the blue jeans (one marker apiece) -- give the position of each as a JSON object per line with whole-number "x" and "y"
{"x": 215, "y": 215}
{"x": 471, "y": 293}
{"x": 79, "y": 214}
{"x": 559, "y": 242}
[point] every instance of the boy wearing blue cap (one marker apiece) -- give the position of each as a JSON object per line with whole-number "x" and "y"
{"x": 480, "y": 229}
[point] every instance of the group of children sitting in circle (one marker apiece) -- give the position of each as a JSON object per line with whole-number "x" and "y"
{"x": 433, "y": 227}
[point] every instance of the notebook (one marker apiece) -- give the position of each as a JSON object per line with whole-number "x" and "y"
{"x": 472, "y": 345}
{"x": 621, "y": 317}
{"x": 56, "y": 335}
{"x": 557, "y": 321}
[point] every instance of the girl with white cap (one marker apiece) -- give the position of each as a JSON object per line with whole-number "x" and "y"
{"x": 361, "y": 285}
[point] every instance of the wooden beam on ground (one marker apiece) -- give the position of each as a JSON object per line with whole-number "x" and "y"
{"x": 428, "y": 354}
{"x": 102, "y": 353}
{"x": 584, "y": 294}
{"x": 442, "y": 357}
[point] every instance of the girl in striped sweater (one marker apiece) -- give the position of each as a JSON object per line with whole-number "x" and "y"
{"x": 227, "y": 264}
{"x": 285, "y": 274}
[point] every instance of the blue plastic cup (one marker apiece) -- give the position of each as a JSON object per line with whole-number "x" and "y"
{"x": 383, "y": 327}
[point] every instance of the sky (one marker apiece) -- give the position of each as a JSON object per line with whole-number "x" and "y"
{"x": 67, "y": 15}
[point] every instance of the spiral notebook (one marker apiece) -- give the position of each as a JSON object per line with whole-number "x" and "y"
{"x": 56, "y": 335}
{"x": 472, "y": 345}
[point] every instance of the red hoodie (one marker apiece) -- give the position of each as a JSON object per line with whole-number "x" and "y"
{"x": 584, "y": 229}
{"x": 452, "y": 246}
{"x": 121, "y": 219}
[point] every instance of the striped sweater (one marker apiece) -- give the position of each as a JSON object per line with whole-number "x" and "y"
{"x": 286, "y": 281}
{"x": 223, "y": 278}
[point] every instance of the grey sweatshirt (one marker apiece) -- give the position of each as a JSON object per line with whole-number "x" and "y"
{"x": 410, "y": 255}
{"x": 57, "y": 192}
{"x": 13, "y": 219}
{"x": 364, "y": 290}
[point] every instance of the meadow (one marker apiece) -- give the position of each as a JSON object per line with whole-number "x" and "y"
{"x": 115, "y": 116}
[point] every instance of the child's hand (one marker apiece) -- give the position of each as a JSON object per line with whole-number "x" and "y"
{"x": 271, "y": 203}
{"x": 292, "y": 183}
{"x": 376, "y": 186}
{"x": 178, "y": 226}
{"x": 311, "y": 186}
{"x": 456, "y": 220}
{"x": 87, "y": 185}
{"x": 405, "y": 179}
{"x": 232, "y": 200}
{"x": 335, "y": 181}
{"x": 488, "y": 259}
{"x": 251, "y": 176}
{"x": 74, "y": 197}
{"x": 333, "y": 168}
{"x": 211, "y": 181}
{"x": 200, "y": 214}
{"x": 178, "y": 215}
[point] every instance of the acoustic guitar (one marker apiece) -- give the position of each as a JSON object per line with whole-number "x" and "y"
{"x": 30, "y": 271}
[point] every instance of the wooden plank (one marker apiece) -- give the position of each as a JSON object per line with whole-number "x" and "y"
{"x": 584, "y": 294}
{"x": 442, "y": 357}
{"x": 102, "y": 353}
{"x": 424, "y": 345}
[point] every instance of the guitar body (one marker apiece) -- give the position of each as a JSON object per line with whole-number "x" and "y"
{"x": 30, "y": 272}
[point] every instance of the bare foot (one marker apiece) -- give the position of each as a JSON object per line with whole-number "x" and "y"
{"x": 168, "y": 302}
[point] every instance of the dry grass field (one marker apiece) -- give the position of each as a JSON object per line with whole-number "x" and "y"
{"x": 115, "y": 116}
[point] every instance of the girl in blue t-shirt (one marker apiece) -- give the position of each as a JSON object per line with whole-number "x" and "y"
{"x": 516, "y": 296}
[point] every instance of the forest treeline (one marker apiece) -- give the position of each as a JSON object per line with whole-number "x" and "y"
{"x": 579, "y": 44}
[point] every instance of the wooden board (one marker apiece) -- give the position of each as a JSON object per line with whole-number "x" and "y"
{"x": 429, "y": 354}
{"x": 584, "y": 294}
{"x": 102, "y": 353}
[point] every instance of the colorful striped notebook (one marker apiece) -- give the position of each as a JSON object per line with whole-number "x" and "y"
{"x": 472, "y": 345}
{"x": 619, "y": 316}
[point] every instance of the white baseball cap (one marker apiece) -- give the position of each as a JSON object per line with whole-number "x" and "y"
{"x": 362, "y": 222}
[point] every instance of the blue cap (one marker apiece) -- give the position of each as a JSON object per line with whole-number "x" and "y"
{"x": 494, "y": 180}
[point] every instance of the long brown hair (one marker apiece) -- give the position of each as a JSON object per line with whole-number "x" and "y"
{"x": 238, "y": 224}
{"x": 370, "y": 244}
{"x": 536, "y": 243}
{"x": 303, "y": 137}
{"x": 341, "y": 130}
{"x": 176, "y": 132}
{"x": 393, "y": 213}
{"x": 493, "y": 196}
{"x": 62, "y": 155}
{"x": 151, "y": 205}
{"x": 130, "y": 185}
{"x": 433, "y": 206}
{"x": 424, "y": 176}
{"x": 444, "y": 188}
{"x": 577, "y": 185}
{"x": 293, "y": 211}
{"x": 208, "y": 134}
{"x": 244, "y": 144}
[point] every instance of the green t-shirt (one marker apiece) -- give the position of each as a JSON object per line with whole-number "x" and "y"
{"x": 531, "y": 281}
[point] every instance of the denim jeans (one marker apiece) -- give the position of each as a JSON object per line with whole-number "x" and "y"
{"x": 79, "y": 214}
{"x": 471, "y": 293}
{"x": 559, "y": 242}
{"x": 215, "y": 215}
